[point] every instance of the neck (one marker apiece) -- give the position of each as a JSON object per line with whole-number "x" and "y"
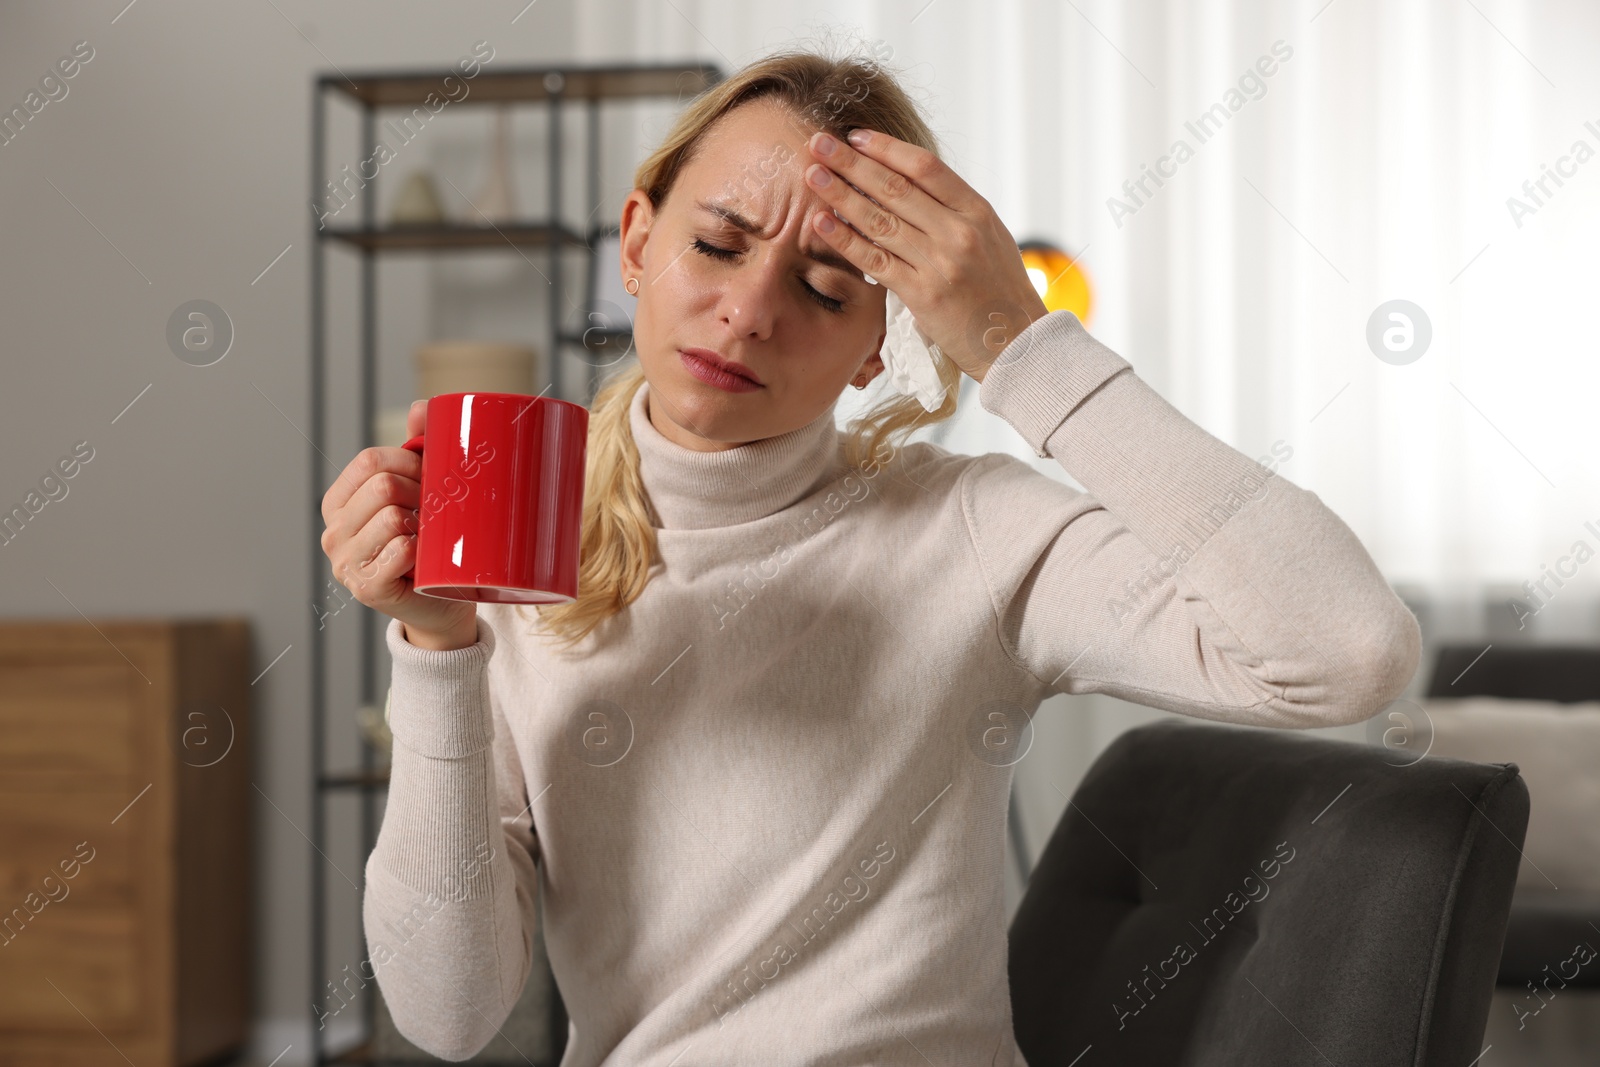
{"x": 697, "y": 490}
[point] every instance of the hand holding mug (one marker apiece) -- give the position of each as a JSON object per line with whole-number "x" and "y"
{"x": 370, "y": 539}
{"x": 487, "y": 508}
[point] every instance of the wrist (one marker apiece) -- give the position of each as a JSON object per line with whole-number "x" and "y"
{"x": 442, "y": 641}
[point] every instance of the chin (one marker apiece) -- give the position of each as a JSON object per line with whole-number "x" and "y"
{"x": 708, "y": 411}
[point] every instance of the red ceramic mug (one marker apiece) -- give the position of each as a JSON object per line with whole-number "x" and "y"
{"x": 502, "y": 498}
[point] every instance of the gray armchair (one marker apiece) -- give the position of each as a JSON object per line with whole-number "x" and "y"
{"x": 1230, "y": 896}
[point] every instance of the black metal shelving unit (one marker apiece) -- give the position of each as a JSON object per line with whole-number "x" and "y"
{"x": 554, "y": 87}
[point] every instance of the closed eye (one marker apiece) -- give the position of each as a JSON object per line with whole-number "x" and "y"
{"x": 705, "y": 248}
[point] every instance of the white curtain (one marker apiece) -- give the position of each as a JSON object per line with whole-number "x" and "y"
{"x": 1375, "y": 162}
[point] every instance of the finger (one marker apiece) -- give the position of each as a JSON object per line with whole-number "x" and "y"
{"x": 877, "y": 223}
{"x": 376, "y": 493}
{"x": 930, "y": 173}
{"x": 416, "y": 417}
{"x": 391, "y": 563}
{"x": 886, "y": 268}
{"x": 358, "y": 563}
{"x": 367, "y": 462}
{"x": 882, "y": 185}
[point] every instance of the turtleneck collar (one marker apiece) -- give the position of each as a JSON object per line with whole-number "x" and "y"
{"x": 693, "y": 490}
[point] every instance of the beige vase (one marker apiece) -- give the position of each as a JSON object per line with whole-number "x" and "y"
{"x": 417, "y": 203}
{"x": 468, "y": 366}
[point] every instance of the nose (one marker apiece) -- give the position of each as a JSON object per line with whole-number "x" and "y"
{"x": 751, "y": 297}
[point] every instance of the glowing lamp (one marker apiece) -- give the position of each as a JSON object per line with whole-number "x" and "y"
{"x": 1059, "y": 279}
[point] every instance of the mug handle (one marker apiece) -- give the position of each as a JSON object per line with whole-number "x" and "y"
{"x": 415, "y": 445}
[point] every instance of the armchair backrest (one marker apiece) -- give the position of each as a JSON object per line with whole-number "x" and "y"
{"x": 1218, "y": 895}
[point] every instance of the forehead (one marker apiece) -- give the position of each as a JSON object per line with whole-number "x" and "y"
{"x": 754, "y": 159}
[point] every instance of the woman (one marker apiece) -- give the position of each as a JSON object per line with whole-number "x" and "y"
{"x": 747, "y": 781}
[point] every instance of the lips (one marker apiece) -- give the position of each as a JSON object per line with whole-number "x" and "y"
{"x": 726, "y": 365}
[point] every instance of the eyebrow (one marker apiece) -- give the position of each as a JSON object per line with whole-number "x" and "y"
{"x": 821, "y": 255}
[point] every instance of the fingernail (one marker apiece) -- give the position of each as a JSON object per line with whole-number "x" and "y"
{"x": 820, "y": 176}
{"x": 826, "y": 145}
{"x": 825, "y": 223}
{"x": 859, "y": 137}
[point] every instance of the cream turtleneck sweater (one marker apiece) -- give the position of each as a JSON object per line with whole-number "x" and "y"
{"x": 760, "y": 814}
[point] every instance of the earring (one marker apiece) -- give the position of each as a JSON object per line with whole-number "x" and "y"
{"x": 632, "y": 286}
{"x": 861, "y": 381}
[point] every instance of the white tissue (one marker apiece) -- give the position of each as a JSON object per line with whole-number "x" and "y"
{"x": 906, "y": 354}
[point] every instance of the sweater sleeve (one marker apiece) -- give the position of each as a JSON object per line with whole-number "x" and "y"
{"x": 451, "y": 886}
{"x": 1187, "y": 577}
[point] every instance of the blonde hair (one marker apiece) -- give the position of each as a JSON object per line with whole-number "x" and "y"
{"x": 618, "y": 543}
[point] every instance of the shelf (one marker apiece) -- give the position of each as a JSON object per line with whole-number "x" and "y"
{"x": 377, "y": 778}
{"x": 530, "y": 84}
{"x": 447, "y": 236}
{"x": 597, "y": 339}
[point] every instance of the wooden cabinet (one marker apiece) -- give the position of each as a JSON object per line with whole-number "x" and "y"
{"x": 125, "y": 841}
